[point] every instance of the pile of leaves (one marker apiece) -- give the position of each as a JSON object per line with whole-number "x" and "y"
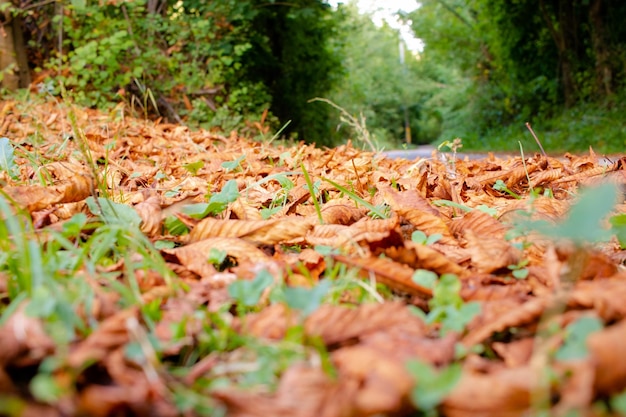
{"x": 146, "y": 269}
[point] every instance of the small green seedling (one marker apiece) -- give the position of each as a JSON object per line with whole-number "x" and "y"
{"x": 217, "y": 256}
{"x": 501, "y": 186}
{"x": 218, "y": 202}
{"x": 306, "y": 300}
{"x": 576, "y": 335}
{"x": 447, "y": 307}
{"x": 618, "y": 226}
{"x": 420, "y": 237}
{"x": 248, "y": 293}
{"x": 584, "y": 221}
{"x": 432, "y": 385}
{"x": 425, "y": 278}
{"x": 233, "y": 165}
{"x": 519, "y": 270}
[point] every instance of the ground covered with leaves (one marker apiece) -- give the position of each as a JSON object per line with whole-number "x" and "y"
{"x": 147, "y": 269}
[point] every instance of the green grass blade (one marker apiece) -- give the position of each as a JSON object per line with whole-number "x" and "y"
{"x": 358, "y": 199}
{"x": 309, "y": 184}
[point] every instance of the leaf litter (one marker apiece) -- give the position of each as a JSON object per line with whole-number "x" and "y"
{"x": 149, "y": 269}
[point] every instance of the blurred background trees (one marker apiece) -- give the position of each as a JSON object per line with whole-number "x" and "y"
{"x": 487, "y": 66}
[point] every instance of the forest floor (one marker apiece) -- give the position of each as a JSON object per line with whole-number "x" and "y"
{"x": 151, "y": 270}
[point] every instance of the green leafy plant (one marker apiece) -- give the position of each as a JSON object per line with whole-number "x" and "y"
{"x": 248, "y": 293}
{"x": 420, "y": 237}
{"x": 501, "y": 186}
{"x": 218, "y": 202}
{"x": 576, "y": 334}
{"x": 446, "y": 307}
{"x": 194, "y": 167}
{"x": 425, "y": 278}
{"x": 519, "y": 270}
{"x": 306, "y": 300}
{"x": 432, "y": 385}
{"x": 583, "y": 223}
{"x": 234, "y": 164}
{"x": 446, "y": 203}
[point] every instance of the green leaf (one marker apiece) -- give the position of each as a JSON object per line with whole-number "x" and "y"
{"x": 618, "y": 224}
{"x": 45, "y": 388}
{"x": 175, "y": 226}
{"x": 520, "y": 273}
{"x": 232, "y": 165}
{"x": 584, "y": 221}
{"x": 306, "y": 300}
{"x": 419, "y": 237}
{"x": 194, "y": 167}
{"x": 114, "y": 213}
{"x": 248, "y": 293}
{"x": 164, "y": 244}
{"x": 425, "y": 278}
{"x": 7, "y": 159}
{"x": 74, "y": 226}
{"x": 618, "y": 403}
{"x": 435, "y": 237}
{"x": 575, "y": 344}
{"x": 217, "y": 256}
{"x": 432, "y": 386}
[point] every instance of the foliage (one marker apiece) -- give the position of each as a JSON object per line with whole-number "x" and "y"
{"x": 221, "y": 63}
{"x": 376, "y": 86}
{"x": 513, "y": 62}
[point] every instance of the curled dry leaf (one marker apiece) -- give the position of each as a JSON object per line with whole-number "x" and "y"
{"x": 419, "y": 256}
{"x": 395, "y": 275}
{"x": 151, "y": 216}
{"x": 263, "y": 232}
{"x": 194, "y": 256}
{"x": 491, "y": 254}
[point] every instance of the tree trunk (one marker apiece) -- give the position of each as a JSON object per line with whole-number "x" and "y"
{"x": 603, "y": 70}
{"x": 565, "y": 40}
{"x": 8, "y": 61}
{"x": 20, "y": 52}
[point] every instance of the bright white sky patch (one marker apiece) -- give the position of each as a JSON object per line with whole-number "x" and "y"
{"x": 384, "y": 10}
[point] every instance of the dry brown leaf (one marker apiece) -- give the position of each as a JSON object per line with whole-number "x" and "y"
{"x": 491, "y": 254}
{"x": 479, "y": 223}
{"x": 395, "y": 275}
{"x": 263, "y": 232}
{"x": 336, "y": 324}
{"x": 151, "y": 215}
{"x": 195, "y": 255}
{"x": 419, "y": 256}
{"x": 506, "y": 393}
